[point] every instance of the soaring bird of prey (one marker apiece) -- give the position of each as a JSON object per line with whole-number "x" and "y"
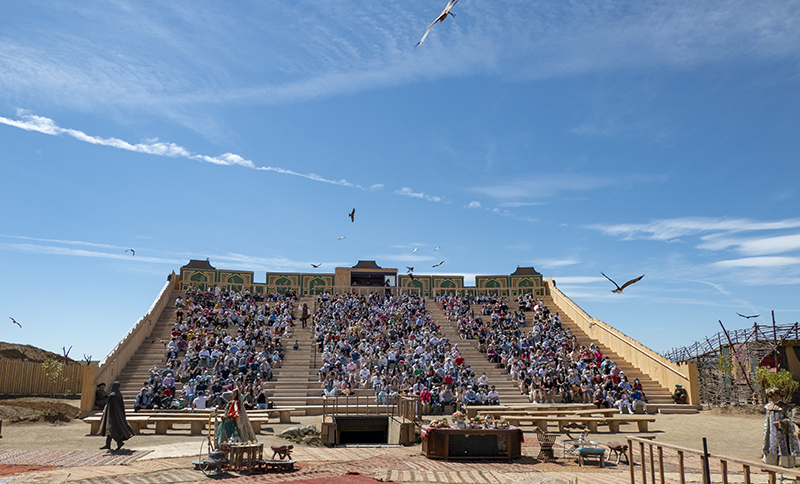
{"x": 748, "y": 317}
{"x": 410, "y": 269}
{"x": 15, "y": 321}
{"x": 437, "y": 265}
{"x": 437, "y": 248}
{"x": 442, "y": 16}
{"x": 133, "y": 252}
{"x": 340, "y": 238}
{"x": 316, "y": 265}
{"x": 618, "y": 290}
{"x": 352, "y": 215}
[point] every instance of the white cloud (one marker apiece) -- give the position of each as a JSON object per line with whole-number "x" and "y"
{"x": 44, "y": 125}
{"x": 474, "y": 204}
{"x": 407, "y": 192}
{"x": 669, "y": 229}
{"x": 759, "y": 262}
{"x": 579, "y": 280}
{"x": 754, "y": 246}
{"x": 558, "y": 262}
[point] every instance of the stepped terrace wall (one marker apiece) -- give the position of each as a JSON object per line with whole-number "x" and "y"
{"x": 655, "y": 366}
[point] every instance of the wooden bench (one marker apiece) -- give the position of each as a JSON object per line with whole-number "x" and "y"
{"x": 641, "y": 421}
{"x": 584, "y": 452}
{"x": 137, "y": 422}
{"x": 283, "y": 413}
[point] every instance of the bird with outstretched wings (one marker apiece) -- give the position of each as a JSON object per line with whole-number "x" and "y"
{"x": 442, "y": 16}
{"x": 316, "y": 265}
{"x": 437, "y": 248}
{"x": 15, "y": 321}
{"x": 619, "y": 289}
{"x": 352, "y": 215}
{"x": 340, "y": 238}
{"x": 748, "y": 317}
{"x": 439, "y": 264}
{"x": 133, "y": 252}
{"x": 410, "y": 269}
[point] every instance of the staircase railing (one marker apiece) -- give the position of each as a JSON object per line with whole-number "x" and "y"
{"x": 112, "y": 365}
{"x": 655, "y": 366}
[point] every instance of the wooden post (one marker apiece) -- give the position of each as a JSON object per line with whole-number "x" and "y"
{"x": 723, "y": 465}
{"x": 644, "y": 465}
{"x": 661, "y": 464}
{"x": 87, "y": 388}
{"x": 680, "y": 467}
{"x": 630, "y": 461}
{"x": 652, "y": 466}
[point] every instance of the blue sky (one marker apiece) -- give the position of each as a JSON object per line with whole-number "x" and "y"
{"x": 657, "y": 138}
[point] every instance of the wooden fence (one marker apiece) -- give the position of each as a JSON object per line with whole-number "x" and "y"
{"x": 27, "y": 378}
{"x": 655, "y": 457}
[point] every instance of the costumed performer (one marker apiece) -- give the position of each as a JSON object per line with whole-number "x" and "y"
{"x": 235, "y": 426}
{"x": 114, "y": 425}
{"x": 781, "y": 446}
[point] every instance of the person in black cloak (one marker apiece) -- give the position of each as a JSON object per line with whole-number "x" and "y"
{"x": 114, "y": 425}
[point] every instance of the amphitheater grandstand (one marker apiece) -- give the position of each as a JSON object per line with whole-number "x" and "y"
{"x": 375, "y": 334}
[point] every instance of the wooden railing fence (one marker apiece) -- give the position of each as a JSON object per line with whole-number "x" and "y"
{"x": 652, "y": 457}
{"x": 28, "y": 378}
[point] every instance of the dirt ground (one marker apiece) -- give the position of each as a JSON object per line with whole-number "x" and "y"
{"x": 734, "y": 432}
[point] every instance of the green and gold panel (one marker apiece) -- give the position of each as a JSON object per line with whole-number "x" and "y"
{"x": 423, "y": 283}
{"x": 527, "y": 284}
{"x": 316, "y": 284}
{"x": 238, "y": 277}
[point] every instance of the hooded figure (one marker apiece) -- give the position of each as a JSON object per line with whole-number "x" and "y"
{"x": 113, "y": 425}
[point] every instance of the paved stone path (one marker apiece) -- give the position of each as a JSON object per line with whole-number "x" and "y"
{"x": 383, "y": 463}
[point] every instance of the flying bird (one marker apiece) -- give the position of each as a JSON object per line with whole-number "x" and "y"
{"x": 352, "y": 215}
{"x": 437, "y": 265}
{"x": 133, "y": 252}
{"x": 748, "y": 317}
{"x": 316, "y": 265}
{"x": 340, "y": 238}
{"x": 618, "y": 290}
{"x": 415, "y": 249}
{"x": 442, "y": 16}
{"x": 410, "y": 269}
{"x": 15, "y": 321}
{"x": 437, "y": 248}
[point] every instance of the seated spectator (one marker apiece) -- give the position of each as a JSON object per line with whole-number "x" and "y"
{"x": 143, "y": 400}
{"x": 680, "y": 395}
{"x": 200, "y": 401}
{"x": 493, "y": 398}
{"x": 100, "y": 396}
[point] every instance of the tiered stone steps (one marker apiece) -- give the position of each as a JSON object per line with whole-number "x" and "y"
{"x": 477, "y": 361}
{"x": 296, "y": 383}
{"x": 153, "y": 351}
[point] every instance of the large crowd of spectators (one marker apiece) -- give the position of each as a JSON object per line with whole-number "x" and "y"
{"x": 386, "y": 344}
{"x": 220, "y": 341}
{"x": 391, "y": 346}
{"x": 545, "y": 359}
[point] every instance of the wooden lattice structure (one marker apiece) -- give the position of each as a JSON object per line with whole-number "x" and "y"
{"x": 727, "y": 361}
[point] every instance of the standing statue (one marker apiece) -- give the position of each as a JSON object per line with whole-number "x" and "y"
{"x": 114, "y": 425}
{"x": 781, "y": 445}
{"x": 235, "y": 426}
